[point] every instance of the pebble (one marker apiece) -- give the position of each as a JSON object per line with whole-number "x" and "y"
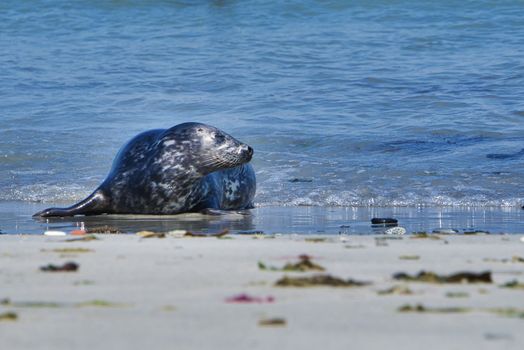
{"x": 522, "y": 239}
{"x": 395, "y": 231}
{"x": 54, "y": 233}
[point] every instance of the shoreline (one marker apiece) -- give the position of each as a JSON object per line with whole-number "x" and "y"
{"x": 16, "y": 218}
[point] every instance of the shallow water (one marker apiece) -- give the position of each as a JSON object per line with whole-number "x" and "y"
{"x": 15, "y": 218}
{"x": 372, "y": 103}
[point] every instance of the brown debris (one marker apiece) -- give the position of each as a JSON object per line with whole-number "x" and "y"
{"x": 396, "y": 290}
{"x": 8, "y": 316}
{"x": 83, "y": 238}
{"x": 460, "y": 277}
{"x": 419, "y": 308}
{"x": 318, "y": 280}
{"x": 67, "y": 267}
{"x": 104, "y": 229}
{"x": 202, "y": 234}
{"x": 409, "y": 257}
{"x": 513, "y": 285}
{"x": 304, "y": 264}
{"x": 422, "y": 235}
{"x": 272, "y": 322}
{"x": 315, "y": 240}
{"x": 69, "y": 250}
{"x": 150, "y": 234}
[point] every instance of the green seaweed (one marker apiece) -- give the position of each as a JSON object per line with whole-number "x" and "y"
{"x": 318, "y": 280}
{"x": 98, "y": 303}
{"x": 457, "y": 295}
{"x": 460, "y": 277}
{"x": 409, "y": 257}
{"x": 304, "y": 264}
{"x": 8, "y": 316}
{"x": 424, "y": 235}
{"x": 104, "y": 229}
{"x": 84, "y": 238}
{"x": 513, "y": 285}
{"x": 69, "y": 250}
{"x": 396, "y": 290}
{"x": 315, "y": 240}
{"x": 508, "y": 312}
{"x": 419, "y": 308}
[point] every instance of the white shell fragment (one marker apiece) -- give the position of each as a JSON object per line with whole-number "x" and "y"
{"x": 398, "y": 230}
{"x": 54, "y": 233}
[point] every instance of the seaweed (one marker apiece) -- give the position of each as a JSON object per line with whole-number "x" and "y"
{"x": 83, "y": 283}
{"x": 247, "y": 299}
{"x": 397, "y": 290}
{"x": 460, "y": 277}
{"x": 424, "y": 235}
{"x": 419, "y": 308}
{"x": 98, "y": 303}
{"x": 304, "y": 264}
{"x": 409, "y": 257}
{"x": 69, "y": 250}
{"x": 31, "y": 304}
{"x": 457, "y": 295}
{"x": 318, "y": 280}
{"x": 203, "y": 234}
{"x": 513, "y": 285}
{"x": 104, "y": 229}
{"x": 272, "y": 322}
{"x": 53, "y": 305}
{"x": 8, "y": 316}
{"x": 67, "y": 267}
{"x": 315, "y": 240}
{"x": 508, "y": 312}
{"x": 82, "y": 238}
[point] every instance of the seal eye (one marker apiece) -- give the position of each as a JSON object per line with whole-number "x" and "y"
{"x": 200, "y": 130}
{"x": 219, "y": 138}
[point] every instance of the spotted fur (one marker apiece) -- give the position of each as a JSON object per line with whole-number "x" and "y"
{"x": 189, "y": 167}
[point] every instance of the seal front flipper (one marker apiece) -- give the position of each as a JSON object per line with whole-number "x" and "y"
{"x": 96, "y": 203}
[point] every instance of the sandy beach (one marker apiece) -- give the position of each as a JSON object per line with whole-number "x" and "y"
{"x": 209, "y": 293}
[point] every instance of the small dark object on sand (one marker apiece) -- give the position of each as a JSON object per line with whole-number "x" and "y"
{"x": 460, "y": 277}
{"x": 384, "y": 221}
{"x": 318, "y": 280}
{"x": 67, "y": 267}
{"x": 274, "y": 322}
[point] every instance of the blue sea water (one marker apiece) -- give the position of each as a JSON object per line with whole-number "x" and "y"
{"x": 346, "y": 103}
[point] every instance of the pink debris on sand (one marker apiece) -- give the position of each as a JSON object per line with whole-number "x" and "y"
{"x": 246, "y": 299}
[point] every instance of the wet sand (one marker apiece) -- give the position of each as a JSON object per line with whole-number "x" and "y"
{"x": 179, "y": 293}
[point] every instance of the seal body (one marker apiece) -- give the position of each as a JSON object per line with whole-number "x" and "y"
{"x": 187, "y": 168}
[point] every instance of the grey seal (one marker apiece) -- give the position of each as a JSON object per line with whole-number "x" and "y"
{"x": 190, "y": 167}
